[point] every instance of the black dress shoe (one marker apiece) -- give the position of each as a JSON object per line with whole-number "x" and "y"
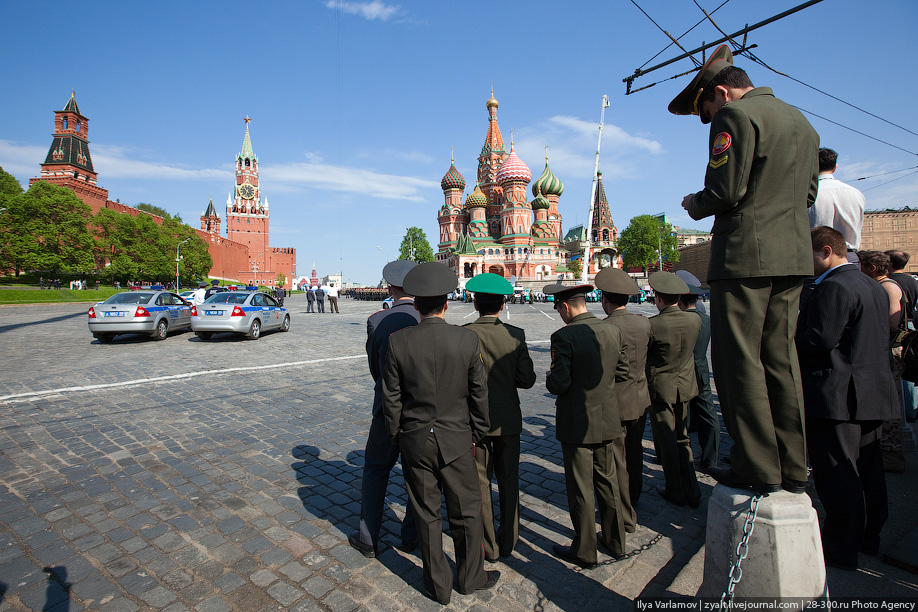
{"x": 564, "y": 553}
{"x": 442, "y": 602}
{"x": 367, "y": 550}
{"x": 794, "y": 486}
{"x": 665, "y": 495}
{"x": 729, "y": 478}
{"x": 871, "y": 545}
{"x": 408, "y": 546}
{"x": 491, "y": 578}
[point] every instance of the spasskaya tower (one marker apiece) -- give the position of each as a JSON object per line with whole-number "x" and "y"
{"x": 246, "y": 213}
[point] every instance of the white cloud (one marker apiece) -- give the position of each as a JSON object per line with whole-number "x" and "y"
{"x": 112, "y": 162}
{"x": 348, "y": 180}
{"x": 367, "y": 10}
{"x": 21, "y": 160}
{"x": 572, "y": 148}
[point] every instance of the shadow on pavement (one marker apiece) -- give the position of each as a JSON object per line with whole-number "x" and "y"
{"x": 6, "y": 328}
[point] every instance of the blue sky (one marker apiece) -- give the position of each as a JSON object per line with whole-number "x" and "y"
{"x": 356, "y": 106}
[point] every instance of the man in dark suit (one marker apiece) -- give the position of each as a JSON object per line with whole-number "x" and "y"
{"x": 380, "y": 455}
{"x": 587, "y": 360}
{"x": 671, "y": 382}
{"x": 507, "y": 367}
{"x": 310, "y": 299}
{"x": 633, "y": 397}
{"x": 320, "y": 299}
{"x": 702, "y": 413}
{"x": 761, "y": 178}
{"x": 843, "y": 343}
{"x": 435, "y": 399}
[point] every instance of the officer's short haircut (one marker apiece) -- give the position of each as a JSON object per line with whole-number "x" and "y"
{"x": 828, "y": 159}
{"x": 488, "y": 303}
{"x": 573, "y": 301}
{"x": 874, "y": 258}
{"x": 430, "y": 305}
{"x": 730, "y": 77}
{"x": 825, "y": 236}
{"x": 616, "y": 299}
{"x": 668, "y": 298}
{"x": 898, "y": 259}
{"x": 689, "y": 299}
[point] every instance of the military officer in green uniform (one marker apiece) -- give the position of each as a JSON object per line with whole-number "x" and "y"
{"x": 507, "y": 367}
{"x": 671, "y": 381}
{"x": 761, "y": 177}
{"x": 587, "y": 360}
{"x": 435, "y": 400}
{"x": 633, "y": 397}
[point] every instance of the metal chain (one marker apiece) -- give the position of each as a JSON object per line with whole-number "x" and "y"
{"x": 742, "y": 551}
{"x": 634, "y": 552}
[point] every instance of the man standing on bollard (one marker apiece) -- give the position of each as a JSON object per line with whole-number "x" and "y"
{"x": 435, "y": 398}
{"x": 380, "y": 455}
{"x": 587, "y": 360}
{"x": 507, "y": 367}
{"x": 633, "y": 398}
{"x": 761, "y": 178}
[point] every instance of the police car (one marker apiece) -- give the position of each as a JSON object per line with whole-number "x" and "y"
{"x": 139, "y": 312}
{"x": 239, "y": 312}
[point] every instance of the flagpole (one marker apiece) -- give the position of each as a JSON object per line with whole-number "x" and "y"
{"x": 589, "y": 233}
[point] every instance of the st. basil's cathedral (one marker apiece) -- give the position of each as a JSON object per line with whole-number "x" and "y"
{"x": 498, "y": 230}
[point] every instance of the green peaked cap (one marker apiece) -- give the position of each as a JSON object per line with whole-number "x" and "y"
{"x": 490, "y": 283}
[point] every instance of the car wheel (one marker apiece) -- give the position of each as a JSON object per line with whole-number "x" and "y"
{"x": 254, "y": 330}
{"x": 104, "y": 338}
{"x": 204, "y": 335}
{"x": 162, "y": 330}
{"x": 385, "y": 306}
{"x": 285, "y": 327}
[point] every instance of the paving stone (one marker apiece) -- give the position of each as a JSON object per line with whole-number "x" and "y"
{"x": 263, "y": 578}
{"x": 285, "y": 593}
{"x": 317, "y": 586}
{"x": 158, "y": 597}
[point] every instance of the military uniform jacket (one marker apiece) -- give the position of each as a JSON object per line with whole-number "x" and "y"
{"x": 380, "y": 326}
{"x": 434, "y": 380}
{"x": 761, "y": 178}
{"x": 587, "y": 359}
{"x": 508, "y": 366}
{"x": 633, "y": 397}
{"x": 671, "y": 359}
{"x": 701, "y": 346}
{"x": 843, "y": 346}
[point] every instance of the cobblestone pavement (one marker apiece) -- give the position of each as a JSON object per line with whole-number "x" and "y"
{"x": 224, "y": 475}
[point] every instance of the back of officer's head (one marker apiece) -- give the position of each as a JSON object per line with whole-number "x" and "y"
{"x": 427, "y": 306}
{"x": 488, "y": 303}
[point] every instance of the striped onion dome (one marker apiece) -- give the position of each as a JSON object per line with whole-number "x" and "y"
{"x": 452, "y": 179}
{"x": 513, "y": 169}
{"x": 548, "y": 184}
{"x": 540, "y": 202}
{"x": 476, "y": 199}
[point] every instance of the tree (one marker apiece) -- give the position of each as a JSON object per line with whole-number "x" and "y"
{"x": 154, "y": 210}
{"x": 415, "y": 246}
{"x": 641, "y": 239}
{"x": 576, "y": 267}
{"x": 45, "y": 228}
{"x": 281, "y": 280}
{"x": 9, "y": 186}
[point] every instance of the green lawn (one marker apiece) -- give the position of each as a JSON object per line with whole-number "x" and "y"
{"x": 15, "y": 295}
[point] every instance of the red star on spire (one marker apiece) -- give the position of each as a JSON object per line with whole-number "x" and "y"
{"x": 246, "y": 119}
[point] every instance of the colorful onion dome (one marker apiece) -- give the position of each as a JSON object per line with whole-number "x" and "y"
{"x": 513, "y": 169}
{"x": 452, "y": 179}
{"x": 476, "y": 199}
{"x": 548, "y": 184}
{"x": 540, "y": 202}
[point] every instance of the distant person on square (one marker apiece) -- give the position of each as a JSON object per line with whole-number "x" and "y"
{"x": 632, "y": 395}
{"x": 435, "y": 399}
{"x": 760, "y": 179}
{"x": 332, "y": 292}
{"x": 588, "y": 359}
{"x": 310, "y": 299}
{"x": 508, "y": 367}
{"x": 838, "y": 205}
{"x": 842, "y": 341}
{"x": 320, "y": 299}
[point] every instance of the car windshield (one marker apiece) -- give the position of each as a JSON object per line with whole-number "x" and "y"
{"x": 227, "y": 297}
{"x": 135, "y": 297}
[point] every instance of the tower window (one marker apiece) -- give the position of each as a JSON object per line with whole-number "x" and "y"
{"x": 64, "y": 123}
{"x": 247, "y": 162}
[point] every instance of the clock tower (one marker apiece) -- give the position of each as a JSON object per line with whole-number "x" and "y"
{"x": 246, "y": 212}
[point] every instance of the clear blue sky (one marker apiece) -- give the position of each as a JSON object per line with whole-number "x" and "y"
{"x": 356, "y": 105}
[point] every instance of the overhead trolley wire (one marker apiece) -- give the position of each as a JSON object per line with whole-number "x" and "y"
{"x": 803, "y": 110}
{"x": 888, "y": 182}
{"x": 700, "y": 21}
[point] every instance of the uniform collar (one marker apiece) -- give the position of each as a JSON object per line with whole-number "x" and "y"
{"x": 582, "y": 316}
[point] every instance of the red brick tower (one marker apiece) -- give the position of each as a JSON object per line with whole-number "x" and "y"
{"x": 210, "y": 220}
{"x": 605, "y": 234}
{"x": 246, "y": 213}
{"x": 492, "y": 156}
{"x": 68, "y": 163}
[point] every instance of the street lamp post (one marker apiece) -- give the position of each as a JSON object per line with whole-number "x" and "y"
{"x": 178, "y": 258}
{"x": 255, "y": 269}
{"x": 410, "y": 244}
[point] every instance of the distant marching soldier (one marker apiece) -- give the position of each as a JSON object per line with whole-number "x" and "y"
{"x": 507, "y": 367}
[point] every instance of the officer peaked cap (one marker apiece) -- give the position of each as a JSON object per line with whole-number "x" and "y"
{"x": 431, "y": 279}
{"x": 490, "y": 283}
{"x": 688, "y": 102}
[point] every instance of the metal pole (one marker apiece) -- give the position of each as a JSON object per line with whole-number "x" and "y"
{"x": 589, "y": 234}
{"x": 177, "y": 260}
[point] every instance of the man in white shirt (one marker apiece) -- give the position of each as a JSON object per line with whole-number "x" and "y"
{"x": 838, "y": 205}
{"x": 197, "y": 297}
{"x": 331, "y": 292}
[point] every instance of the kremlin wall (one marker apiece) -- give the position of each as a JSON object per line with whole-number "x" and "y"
{"x": 69, "y": 164}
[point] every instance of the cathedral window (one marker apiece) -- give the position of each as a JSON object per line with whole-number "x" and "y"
{"x": 605, "y": 235}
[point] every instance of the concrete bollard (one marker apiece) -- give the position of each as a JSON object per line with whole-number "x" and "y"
{"x": 785, "y": 549}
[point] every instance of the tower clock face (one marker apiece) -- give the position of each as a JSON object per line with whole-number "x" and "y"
{"x": 247, "y": 191}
